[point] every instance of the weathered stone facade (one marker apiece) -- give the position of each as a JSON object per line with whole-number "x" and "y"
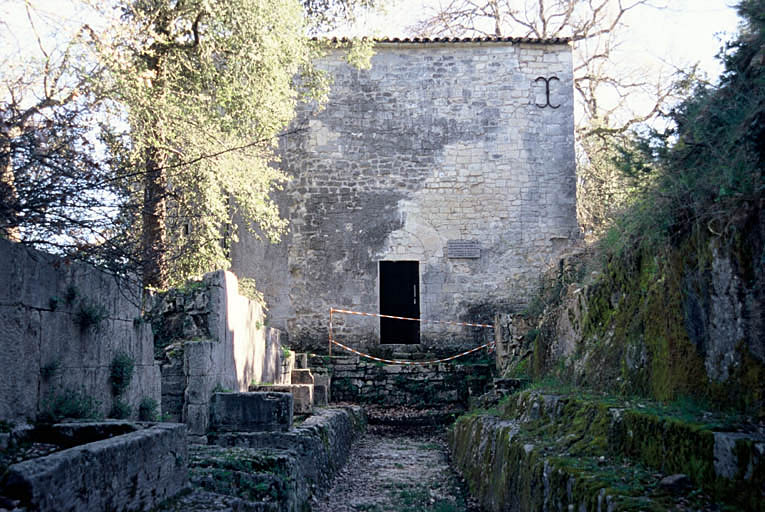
{"x": 436, "y": 142}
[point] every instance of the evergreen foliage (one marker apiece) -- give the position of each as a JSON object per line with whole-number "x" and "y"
{"x": 120, "y": 409}
{"x": 140, "y": 159}
{"x": 206, "y": 87}
{"x": 121, "y": 373}
{"x": 148, "y": 409}
{"x": 707, "y": 171}
{"x": 68, "y": 403}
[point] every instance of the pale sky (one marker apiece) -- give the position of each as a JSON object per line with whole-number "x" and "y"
{"x": 684, "y": 33}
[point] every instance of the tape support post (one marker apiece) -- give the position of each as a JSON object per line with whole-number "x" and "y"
{"x": 397, "y": 361}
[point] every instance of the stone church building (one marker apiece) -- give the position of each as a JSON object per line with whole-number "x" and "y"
{"x": 437, "y": 184}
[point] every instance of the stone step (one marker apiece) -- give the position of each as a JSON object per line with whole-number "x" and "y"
{"x": 319, "y": 381}
{"x": 249, "y": 487}
{"x": 321, "y": 389}
{"x": 242, "y": 478}
{"x": 302, "y": 394}
{"x": 301, "y": 361}
{"x": 413, "y": 356}
{"x": 302, "y": 376}
{"x": 200, "y": 500}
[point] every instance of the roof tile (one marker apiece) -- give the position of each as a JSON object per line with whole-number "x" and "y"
{"x": 425, "y": 40}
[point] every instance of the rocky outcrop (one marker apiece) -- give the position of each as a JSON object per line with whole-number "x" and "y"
{"x": 686, "y": 321}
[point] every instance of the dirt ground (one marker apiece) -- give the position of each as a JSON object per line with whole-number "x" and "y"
{"x": 398, "y": 469}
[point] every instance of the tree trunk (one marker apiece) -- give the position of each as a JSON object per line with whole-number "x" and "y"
{"x": 8, "y": 196}
{"x": 154, "y": 216}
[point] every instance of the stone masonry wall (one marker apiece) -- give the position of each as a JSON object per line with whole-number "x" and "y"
{"x": 436, "y": 142}
{"x": 210, "y": 337}
{"x": 444, "y": 385}
{"x": 61, "y": 325}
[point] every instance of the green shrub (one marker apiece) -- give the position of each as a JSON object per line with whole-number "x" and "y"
{"x": 148, "y": 409}
{"x": 50, "y": 370}
{"x": 121, "y": 373}
{"x": 90, "y": 315}
{"x": 220, "y": 389}
{"x": 68, "y": 404}
{"x": 705, "y": 172}
{"x": 70, "y": 295}
{"x": 247, "y": 288}
{"x": 120, "y": 409}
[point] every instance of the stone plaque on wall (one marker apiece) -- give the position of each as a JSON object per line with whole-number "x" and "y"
{"x": 463, "y": 249}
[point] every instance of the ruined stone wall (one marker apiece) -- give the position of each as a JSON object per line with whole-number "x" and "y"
{"x": 61, "y": 326}
{"x": 444, "y": 385}
{"x": 436, "y": 142}
{"x": 210, "y": 337}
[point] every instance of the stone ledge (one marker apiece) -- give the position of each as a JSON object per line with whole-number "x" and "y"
{"x": 589, "y": 441}
{"x": 133, "y": 471}
{"x": 320, "y": 445}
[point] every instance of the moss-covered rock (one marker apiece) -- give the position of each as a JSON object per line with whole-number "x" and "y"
{"x": 538, "y": 449}
{"x": 682, "y": 321}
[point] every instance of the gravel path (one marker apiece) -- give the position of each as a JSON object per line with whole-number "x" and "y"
{"x": 391, "y": 469}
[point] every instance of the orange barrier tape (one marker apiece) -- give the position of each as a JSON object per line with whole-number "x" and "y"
{"x": 333, "y": 310}
{"x": 411, "y": 363}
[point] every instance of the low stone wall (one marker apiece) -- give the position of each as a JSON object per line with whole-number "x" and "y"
{"x": 210, "y": 338}
{"x": 447, "y": 384}
{"x": 320, "y": 446}
{"x": 132, "y": 471}
{"x": 551, "y": 452}
{"x": 61, "y": 326}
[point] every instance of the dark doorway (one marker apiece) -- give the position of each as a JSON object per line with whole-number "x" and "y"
{"x": 400, "y": 296}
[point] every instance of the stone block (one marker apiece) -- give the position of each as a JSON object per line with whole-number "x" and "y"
{"x": 320, "y": 395}
{"x": 198, "y": 357}
{"x": 324, "y": 380}
{"x": 302, "y": 376}
{"x": 320, "y": 445}
{"x": 301, "y": 361}
{"x": 197, "y": 418}
{"x": 251, "y": 412}
{"x": 302, "y": 395}
{"x": 134, "y": 471}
